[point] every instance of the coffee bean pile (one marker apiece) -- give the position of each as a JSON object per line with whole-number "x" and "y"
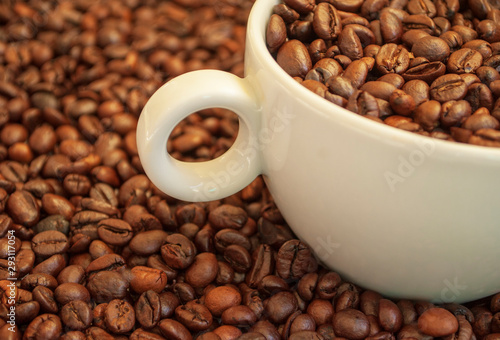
{"x": 90, "y": 249}
{"x": 425, "y": 66}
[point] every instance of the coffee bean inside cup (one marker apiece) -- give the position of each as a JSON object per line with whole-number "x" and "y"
{"x": 448, "y": 45}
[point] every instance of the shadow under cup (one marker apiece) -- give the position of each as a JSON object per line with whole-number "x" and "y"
{"x": 402, "y": 214}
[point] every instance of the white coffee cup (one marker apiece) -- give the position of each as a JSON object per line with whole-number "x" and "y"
{"x": 402, "y": 214}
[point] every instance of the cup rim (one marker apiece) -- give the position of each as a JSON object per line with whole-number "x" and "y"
{"x": 256, "y": 33}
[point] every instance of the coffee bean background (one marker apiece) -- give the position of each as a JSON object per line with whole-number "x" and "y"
{"x": 100, "y": 253}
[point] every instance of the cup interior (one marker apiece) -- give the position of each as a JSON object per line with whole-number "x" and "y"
{"x": 256, "y": 37}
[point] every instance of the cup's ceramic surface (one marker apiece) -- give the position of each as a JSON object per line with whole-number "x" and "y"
{"x": 402, "y": 214}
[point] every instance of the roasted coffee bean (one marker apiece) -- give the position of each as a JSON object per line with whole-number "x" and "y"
{"x": 119, "y": 316}
{"x": 44, "y": 326}
{"x": 105, "y": 286}
{"x": 70, "y": 291}
{"x": 392, "y": 58}
{"x": 238, "y": 257}
{"x": 114, "y": 231}
{"x": 227, "y": 236}
{"x": 23, "y": 208}
{"x": 431, "y": 48}
{"x": 351, "y": 323}
{"x": 326, "y": 21}
{"x": 178, "y": 251}
{"x": 480, "y": 119}
{"x": 294, "y": 259}
{"x": 280, "y": 306}
{"x": 173, "y": 329}
{"x": 203, "y": 270}
{"x": 50, "y": 242}
{"x": 448, "y": 87}
{"x": 437, "y": 322}
{"x": 464, "y": 60}
{"x": 76, "y": 315}
{"x": 479, "y": 96}
{"x": 428, "y": 114}
{"x": 226, "y": 216}
{"x": 350, "y": 43}
{"x": 148, "y": 309}
{"x": 147, "y": 242}
{"x": 294, "y": 58}
{"x": 195, "y": 316}
{"x": 275, "y": 33}
{"x": 145, "y": 278}
{"x": 221, "y": 298}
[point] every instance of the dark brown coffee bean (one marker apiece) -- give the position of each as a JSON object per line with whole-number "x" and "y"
{"x": 480, "y": 119}
{"x": 293, "y": 259}
{"x": 30, "y": 281}
{"x": 267, "y": 329}
{"x": 147, "y": 242}
{"x": 44, "y": 326}
{"x": 391, "y": 27}
{"x": 114, "y": 231}
{"x": 454, "y": 113}
{"x": 227, "y": 216}
{"x": 109, "y": 262}
{"x": 431, "y": 48}
{"x": 23, "y": 208}
{"x": 178, "y": 251}
{"x": 321, "y": 311}
{"x": 479, "y": 96}
{"x": 50, "y": 242}
{"x": 294, "y": 58}
{"x": 392, "y": 58}
{"x": 70, "y": 291}
{"x": 76, "y": 315}
{"x": 45, "y": 298}
{"x": 280, "y": 306}
{"x": 148, "y": 309}
{"x": 428, "y": 115}
{"x": 263, "y": 265}
{"x": 227, "y": 236}
{"x": 145, "y": 278}
{"x": 326, "y": 21}
{"x": 221, "y": 298}
{"x": 238, "y": 257}
{"x": 57, "y": 205}
{"x": 351, "y": 323}
{"x": 275, "y": 33}
{"x": 203, "y": 270}
{"x": 195, "y": 316}
{"x": 119, "y": 316}
{"x": 239, "y": 315}
{"x": 420, "y": 22}
{"x": 425, "y": 7}
{"x": 301, "y": 6}
{"x": 141, "y": 334}
{"x": 97, "y": 333}
{"x": 389, "y": 315}
{"x": 427, "y": 72}
{"x": 402, "y": 103}
{"x": 173, "y": 329}
{"x": 105, "y": 286}
{"x": 350, "y": 44}
{"x": 437, "y": 322}
{"x": 464, "y": 60}
{"x": 72, "y": 273}
{"x": 448, "y": 87}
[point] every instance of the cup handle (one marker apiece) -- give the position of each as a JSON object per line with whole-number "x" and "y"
{"x": 174, "y": 101}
